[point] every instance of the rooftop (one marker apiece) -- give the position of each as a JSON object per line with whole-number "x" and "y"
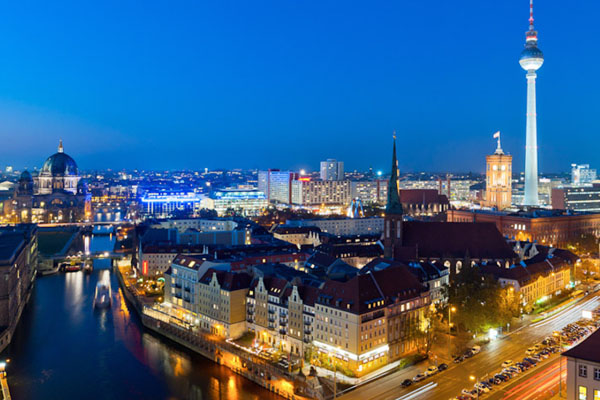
{"x": 588, "y": 350}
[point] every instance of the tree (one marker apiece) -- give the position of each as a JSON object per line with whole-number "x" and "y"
{"x": 481, "y": 302}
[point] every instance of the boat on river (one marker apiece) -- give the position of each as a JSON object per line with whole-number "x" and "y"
{"x": 72, "y": 267}
{"x": 102, "y": 298}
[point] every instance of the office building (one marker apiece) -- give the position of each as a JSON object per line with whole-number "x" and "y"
{"x": 342, "y": 226}
{"x": 582, "y": 174}
{"x": 332, "y": 170}
{"x": 166, "y": 203}
{"x": 369, "y": 192}
{"x": 307, "y": 192}
{"x": 247, "y": 202}
{"x": 577, "y": 198}
{"x": 277, "y": 185}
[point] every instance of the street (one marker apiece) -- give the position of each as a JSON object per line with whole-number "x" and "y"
{"x": 449, "y": 383}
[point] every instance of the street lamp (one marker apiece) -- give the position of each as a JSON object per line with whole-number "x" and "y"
{"x": 451, "y": 309}
{"x": 473, "y": 378}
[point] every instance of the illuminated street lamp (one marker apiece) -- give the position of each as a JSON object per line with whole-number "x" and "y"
{"x": 451, "y": 309}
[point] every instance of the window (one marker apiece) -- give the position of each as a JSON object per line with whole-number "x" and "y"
{"x": 583, "y": 371}
{"x": 596, "y": 394}
{"x": 597, "y": 374}
{"x": 582, "y": 393}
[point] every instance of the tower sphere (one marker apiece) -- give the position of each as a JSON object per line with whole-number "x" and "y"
{"x": 531, "y": 58}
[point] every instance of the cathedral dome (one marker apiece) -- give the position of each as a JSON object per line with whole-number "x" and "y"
{"x": 25, "y": 177}
{"x": 59, "y": 164}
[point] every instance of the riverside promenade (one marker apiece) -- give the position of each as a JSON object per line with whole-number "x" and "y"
{"x": 220, "y": 351}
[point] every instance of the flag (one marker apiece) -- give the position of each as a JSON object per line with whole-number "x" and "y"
{"x": 497, "y": 135}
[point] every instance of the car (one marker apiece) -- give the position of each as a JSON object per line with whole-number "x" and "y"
{"x": 476, "y": 349}
{"x": 530, "y": 351}
{"x": 432, "y": 370}
{"x": 507, "y": 363}
{"x": 406, "y": 383}
{"x": 481, "y": 387}
{"x": 419, "y": 377}
{"x": 467, "y": 392}
{"x": 530, "y": 361}
{"x": 442, "y": 367}
{"x": 468, "y": 354}
{"x": 501, "y": 377}
{"x": 542, "y": 355}
{"x": 459, "y": 359}
{"x": 538, "y": 346}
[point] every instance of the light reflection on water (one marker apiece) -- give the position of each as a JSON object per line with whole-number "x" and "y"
{"x": 64, "y": 348}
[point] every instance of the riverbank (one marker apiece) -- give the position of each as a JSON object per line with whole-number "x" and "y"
{"x": 211, "y": 347}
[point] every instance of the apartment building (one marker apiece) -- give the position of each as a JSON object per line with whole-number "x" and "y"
{"x": 583, "y": 369}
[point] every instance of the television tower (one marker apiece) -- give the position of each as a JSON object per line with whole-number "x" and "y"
{"x": 531, "y": 60}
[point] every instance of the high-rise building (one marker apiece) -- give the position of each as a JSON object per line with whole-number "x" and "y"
{"x": 332, "y": 170}
{"x": 582, "y": 174}
{"x": 498, "y": 192}
{"x": 306, "y": 192}
{"x": 277, "y": 185}
{"x": 531, "y": 60}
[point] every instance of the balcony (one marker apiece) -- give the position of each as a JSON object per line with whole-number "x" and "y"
{"x": 250, "y": 311}
{"x": 283, "y": 331}
{"x": 250, "y": 319}
{"x": 187, "y": 289}
{"x": 307, "y": 331}
{"x": 271, "y": 311}
{"x": 307, "y": 323}
{"x": 271, "y": 319}
{"x": 178, "y": 286}
{"x": 307, "y": 340}
{"x": 282, "y": 322}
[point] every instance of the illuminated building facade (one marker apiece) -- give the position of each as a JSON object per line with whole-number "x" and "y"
{"x": 277, "y": 185}
{"x": 342, "y": 226}
{"x": 548, "y": 227}
{"x": 163, "y": 204}
{"x": 371, "y": 319}
{"x": 582, "y": 174}
{"x": 531, "y": 60}
{"x": 56, "y": 194}
{"x": 577, "y": 198}
{"x": 307, "y": 192}
{"x": 332, "y": 170}
{"x": 248, "y": 202}
{"x": 498, "y": 175}
{"x": 369, "y": 192}
{"x": 583, "y": 369}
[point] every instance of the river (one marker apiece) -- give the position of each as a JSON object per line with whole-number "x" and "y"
{"x": 65, "y": 349}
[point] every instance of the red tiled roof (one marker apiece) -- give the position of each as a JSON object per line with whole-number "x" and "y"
{"x": 454, "y": 240}
{"x": 422, "y": 196}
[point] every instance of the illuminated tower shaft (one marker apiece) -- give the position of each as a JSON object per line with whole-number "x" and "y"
{"x": 531, "y": 151}
{"x": 531, "y": 60}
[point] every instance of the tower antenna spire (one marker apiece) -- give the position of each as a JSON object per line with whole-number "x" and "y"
{"x": 530, "y": 15}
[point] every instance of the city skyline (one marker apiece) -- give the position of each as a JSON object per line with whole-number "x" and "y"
{"x": 334, "y": 88}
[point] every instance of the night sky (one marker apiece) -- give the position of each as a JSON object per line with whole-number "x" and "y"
{"x": 284, "y": 84}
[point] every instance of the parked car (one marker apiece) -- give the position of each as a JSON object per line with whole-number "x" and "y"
{"x": 530, "y": 351}
{"x": 507, "y": 363}
{"x": 458, "y": 359}
{"x": 432, "y": 370}
{"x": 419, "y": 377}
{"x": 475, "y": 349}
{"x": 442, "y": 367}
{"x": 406, "y": 383}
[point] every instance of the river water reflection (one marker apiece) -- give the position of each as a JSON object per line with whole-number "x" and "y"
{"x": 65, "y": 349}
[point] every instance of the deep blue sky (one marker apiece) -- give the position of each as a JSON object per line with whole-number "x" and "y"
{"x": 282, "y": 83}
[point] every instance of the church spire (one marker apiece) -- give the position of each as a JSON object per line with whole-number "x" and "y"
{"x": 394, "y": 206}
{"x": 60, "y": 146}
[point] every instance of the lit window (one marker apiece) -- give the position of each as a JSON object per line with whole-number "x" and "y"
{"x": 596, "y": 394}
{"x": 582, "y": 393}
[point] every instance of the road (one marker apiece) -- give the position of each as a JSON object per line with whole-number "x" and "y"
{"x": 449, "y": 383}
